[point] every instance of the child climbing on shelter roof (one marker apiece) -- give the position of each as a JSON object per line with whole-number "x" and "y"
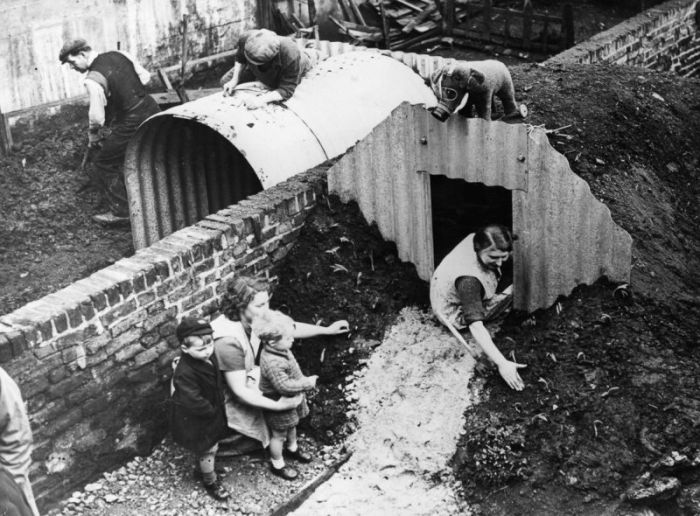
{"x": 198, "y": 419}
{"x": 280, "y": 375}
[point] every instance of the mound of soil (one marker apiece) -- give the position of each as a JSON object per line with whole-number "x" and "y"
{"x": 612, "y": 385}
{"x": 48, "y": 238}
{"x": 633, "y": 136}
{"x": 341, "y": 268}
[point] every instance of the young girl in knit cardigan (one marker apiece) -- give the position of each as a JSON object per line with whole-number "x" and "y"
{"x": 280, "y": 375}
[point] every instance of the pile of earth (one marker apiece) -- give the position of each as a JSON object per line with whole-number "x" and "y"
{"x": 48, "y": 238}
{"x": 341, "y": 268}
{"x": 612, "y": 383}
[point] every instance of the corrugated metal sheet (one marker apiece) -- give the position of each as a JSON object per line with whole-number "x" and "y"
{"x": 337, "y": 105}
{"x": 567, "y": 237}
{"x": 34, "y": 31}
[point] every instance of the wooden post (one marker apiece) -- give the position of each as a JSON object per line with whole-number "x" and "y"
{"x": 507, "y": 26}
{"x": 181, "y": 92}
{"x": 527, "y": 26}
{"x": 264, "y": 14}
{"x": 568, "y": 26}
{"x": 449, "y": 17}
{"x": 5, "y": 135}
{"x": 486, "y": 29}
{"x": 385, "y": 26}
{"x": 312, "y": 12}
{"x": 545, "y": 35}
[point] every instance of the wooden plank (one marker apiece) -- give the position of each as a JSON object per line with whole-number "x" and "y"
{"x": 206, "y": 59}
{"x": 385, "y": 26}
{"x": 180, "y": 89}
{"x": 409, "y": 5}
{"x": 521, "y": 14}
{"x": 5, "y": 135}
{"x": 449, "y": 17}
{"x": 568, "y": 26}
{"x": 486, "y": 27}
{"x": 165, "y": 80}
{"x": 418, "y": 39}
{"x": 311, "y": 5}
{"x": 305, "y": 492}
{"x": 265, "y": 14}
{"x": 470, "y": 37}
{"x": 419, "y": 19}
{"x": 347, "y": 12}
{"x": 527, "y": 26}
{"x": 357, "y": 13}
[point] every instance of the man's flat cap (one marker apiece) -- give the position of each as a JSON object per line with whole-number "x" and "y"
{"x": 72, "y": 47}
{"x": 261, "y": 47}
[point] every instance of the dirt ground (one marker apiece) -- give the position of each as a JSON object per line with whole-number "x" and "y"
{"x": 48, "y": 238}
{"x": 612, "y": 386}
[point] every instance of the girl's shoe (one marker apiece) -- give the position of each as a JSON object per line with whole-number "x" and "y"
{"x": 299, "y": 455}
{"x": 197, "y": 473}
{"x": 217, "y": 490}
{"x": 285, "y": 472}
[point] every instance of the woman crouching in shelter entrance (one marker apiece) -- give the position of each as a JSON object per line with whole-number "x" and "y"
{"x": 238, "y": 352}
{"x": 273, "y": 60}
{"x": 463, "y": 292}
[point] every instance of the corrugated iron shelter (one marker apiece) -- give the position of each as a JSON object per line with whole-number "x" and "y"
{"x": 197, "y": 158}
{"x": 566, "y": 236}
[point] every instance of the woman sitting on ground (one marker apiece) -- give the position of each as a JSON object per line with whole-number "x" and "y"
{"x": 463, "y": 292}
{"x": 238, "y": 352}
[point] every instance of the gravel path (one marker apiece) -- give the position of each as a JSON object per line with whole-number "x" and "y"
{"x": 162, "y": 484}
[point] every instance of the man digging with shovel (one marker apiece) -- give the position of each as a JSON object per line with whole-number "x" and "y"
{"x": 116, "y": 86}
{"x": 463, "y": 293}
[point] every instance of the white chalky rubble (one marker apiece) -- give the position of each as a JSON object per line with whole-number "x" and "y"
{"x": 409, "y": 407}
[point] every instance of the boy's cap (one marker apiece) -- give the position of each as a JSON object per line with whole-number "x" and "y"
{"x": 193, "y": 326}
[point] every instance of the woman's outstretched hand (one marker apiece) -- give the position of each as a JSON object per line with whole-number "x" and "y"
{"x": 338, "y": 328}
{"x": 509, "y": 372}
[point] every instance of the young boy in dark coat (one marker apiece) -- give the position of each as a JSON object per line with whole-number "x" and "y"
{"x": 198, "y": 418}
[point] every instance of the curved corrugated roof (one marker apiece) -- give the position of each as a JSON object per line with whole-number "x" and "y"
{"x": 197, "y": 158}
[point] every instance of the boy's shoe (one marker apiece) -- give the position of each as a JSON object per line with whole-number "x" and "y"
{"x": 217, "y": 490}
{"x": 285, "y": 472}
{"x": 298, "y": 455}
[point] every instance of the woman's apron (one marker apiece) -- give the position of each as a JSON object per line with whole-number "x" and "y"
{"x": 241, "y": 417}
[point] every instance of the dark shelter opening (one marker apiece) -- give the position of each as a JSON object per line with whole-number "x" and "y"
{"x": 192, "y": 170}
{"x": 460, "y": 208}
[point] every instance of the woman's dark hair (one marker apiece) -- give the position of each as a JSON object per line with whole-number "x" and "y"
{"x": 239, "y": 294}
{"x": 494, "y": 235}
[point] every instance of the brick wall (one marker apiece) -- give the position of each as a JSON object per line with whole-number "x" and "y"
{"x": 666, "y": 37}
{"x": 93, "y": 360}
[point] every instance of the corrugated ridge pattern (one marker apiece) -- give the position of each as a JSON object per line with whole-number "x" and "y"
{"x": 567, "y": 237}
{"x": 172, "y": 171}
{"x": 205, "y": 173}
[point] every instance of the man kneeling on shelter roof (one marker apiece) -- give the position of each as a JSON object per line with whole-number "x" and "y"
{"x": 463, "y": 292}
{"x": 274, "y": 60}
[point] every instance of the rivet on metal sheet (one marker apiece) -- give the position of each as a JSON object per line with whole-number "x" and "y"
{"x": 521, "y": 158}
{"x": 424, "y": 141}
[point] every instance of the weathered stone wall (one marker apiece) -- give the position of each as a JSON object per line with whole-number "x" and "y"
{"x": 93, "y": 360}
{"x": 666, "y": 37}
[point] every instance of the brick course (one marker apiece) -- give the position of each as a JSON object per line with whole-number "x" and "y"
{"x": 97, "y": 354}
{"x": 663, "y": 38}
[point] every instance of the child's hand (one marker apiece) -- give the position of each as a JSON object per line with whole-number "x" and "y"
{"x": 338, "y": 328}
